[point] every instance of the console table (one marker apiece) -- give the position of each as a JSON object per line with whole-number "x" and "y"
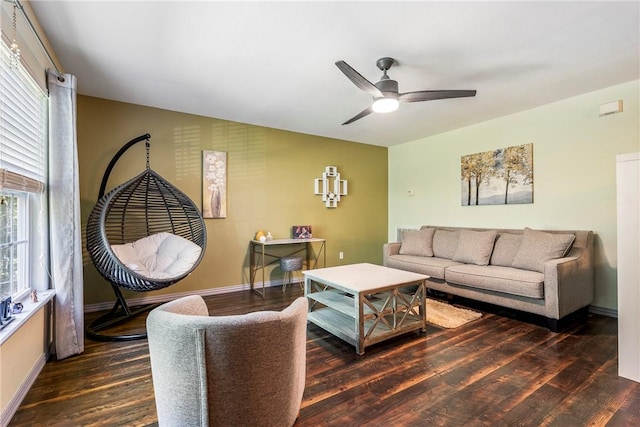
{"x": 260, "y": 251}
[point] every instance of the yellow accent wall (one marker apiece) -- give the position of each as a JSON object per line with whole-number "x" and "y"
{"x": 574, "y": 154}
{"x": 270, "y": 186}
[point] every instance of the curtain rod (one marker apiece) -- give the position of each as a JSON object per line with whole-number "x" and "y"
{"x": 35, "y": 33}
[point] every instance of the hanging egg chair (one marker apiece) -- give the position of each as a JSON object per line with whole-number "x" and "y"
{"x": 143, "y": 235}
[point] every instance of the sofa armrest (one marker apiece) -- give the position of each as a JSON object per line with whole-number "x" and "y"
{"x": 568, "y": 286}
{"x": 389, "y": 249}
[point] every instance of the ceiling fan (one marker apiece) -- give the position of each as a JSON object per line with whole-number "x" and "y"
{"x": 385, "y": 93}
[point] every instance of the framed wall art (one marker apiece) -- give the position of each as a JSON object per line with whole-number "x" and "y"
{"x": 499, "y": 177}
{"x": 214, "y": 184}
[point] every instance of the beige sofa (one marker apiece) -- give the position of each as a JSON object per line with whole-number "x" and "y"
{"x": 547, "y": 273}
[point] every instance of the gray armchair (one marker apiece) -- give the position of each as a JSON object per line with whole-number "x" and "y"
{"x": 245, "y": 370}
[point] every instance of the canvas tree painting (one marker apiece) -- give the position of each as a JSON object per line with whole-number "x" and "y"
{"x": 499, "y": 177}
{"x": 214, "y": 184}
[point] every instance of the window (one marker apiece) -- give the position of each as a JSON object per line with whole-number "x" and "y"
{"x": 23, "y": 141}
{"x": 13, "y": 242}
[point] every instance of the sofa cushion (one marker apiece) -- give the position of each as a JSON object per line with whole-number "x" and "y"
{"x": 497, "y": 278}
{"x": 431, "y": 266}
{"x": 505, "y": 249}
{"x": 419, "y": 243}
{"x": 445, "y": 243}
{"x": 475, "y": 247}
{"x": 538, "y": 247}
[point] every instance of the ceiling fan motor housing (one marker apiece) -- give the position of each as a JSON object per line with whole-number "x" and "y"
{"x": 388, "y": 87}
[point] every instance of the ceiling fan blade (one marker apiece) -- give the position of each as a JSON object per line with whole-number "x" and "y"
{"x": 357, "y": 79}
{"x": 430, "y": 95}
{"x": 360, "y": 115}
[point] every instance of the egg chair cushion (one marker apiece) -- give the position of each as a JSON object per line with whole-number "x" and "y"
{"x": 159, "y": 256}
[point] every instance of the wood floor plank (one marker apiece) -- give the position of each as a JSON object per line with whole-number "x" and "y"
{"x": 629, "y": 410}
{"x": 495, "y": 371}
{"x": 595, "y": 401}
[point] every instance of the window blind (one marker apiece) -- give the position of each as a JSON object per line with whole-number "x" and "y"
{"x": 23, "y": 124}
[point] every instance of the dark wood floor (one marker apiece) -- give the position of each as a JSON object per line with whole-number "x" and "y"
{"x": 497, "y": 371}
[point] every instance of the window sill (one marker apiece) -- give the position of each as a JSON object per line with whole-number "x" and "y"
{"x": 30, "y": 308}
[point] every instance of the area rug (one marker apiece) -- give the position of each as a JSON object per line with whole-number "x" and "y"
{"x": 447, "y": 316}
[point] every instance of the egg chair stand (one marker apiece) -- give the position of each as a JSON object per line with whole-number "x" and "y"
{"x": 120, "y": 313}
{"x": 141, "y": 207}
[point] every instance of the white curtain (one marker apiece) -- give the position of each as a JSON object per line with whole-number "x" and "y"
{"x": 64, "y": 216}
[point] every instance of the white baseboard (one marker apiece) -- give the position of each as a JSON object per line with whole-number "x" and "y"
{"x": 17, "y": 399}
{"x": 609, "y": 312}
{"x": 154, "y": 299}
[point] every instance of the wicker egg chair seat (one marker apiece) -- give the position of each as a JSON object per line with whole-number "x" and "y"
{"x": 142, "y": 206}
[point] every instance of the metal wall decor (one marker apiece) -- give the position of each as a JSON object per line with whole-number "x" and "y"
{"x": 330, "y": 186}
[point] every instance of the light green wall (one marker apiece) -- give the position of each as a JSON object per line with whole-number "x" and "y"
{"x": 270, "y": 185}
{"x": 574, "y": 174}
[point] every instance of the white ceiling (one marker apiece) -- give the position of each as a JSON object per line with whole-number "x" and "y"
{"x": 272, "y": 63}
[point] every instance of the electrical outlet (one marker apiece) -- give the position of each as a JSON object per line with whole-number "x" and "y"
{"x": 341, "y": 255}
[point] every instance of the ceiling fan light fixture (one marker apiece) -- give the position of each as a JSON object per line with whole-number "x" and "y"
{"x": 385, "y": 105}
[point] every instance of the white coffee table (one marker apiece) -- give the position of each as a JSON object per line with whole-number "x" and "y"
{"x": 364, "y": 304}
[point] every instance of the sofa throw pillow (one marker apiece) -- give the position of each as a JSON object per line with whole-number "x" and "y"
{"x": 475, "y": 247}
{"x": 419, "y": 243}
{"x": 445, "y": 243}
{"x": 539, "y": 247}
{"x": 505, "y": 249}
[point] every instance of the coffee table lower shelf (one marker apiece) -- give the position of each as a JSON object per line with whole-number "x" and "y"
{"x": 344, "y": 327}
